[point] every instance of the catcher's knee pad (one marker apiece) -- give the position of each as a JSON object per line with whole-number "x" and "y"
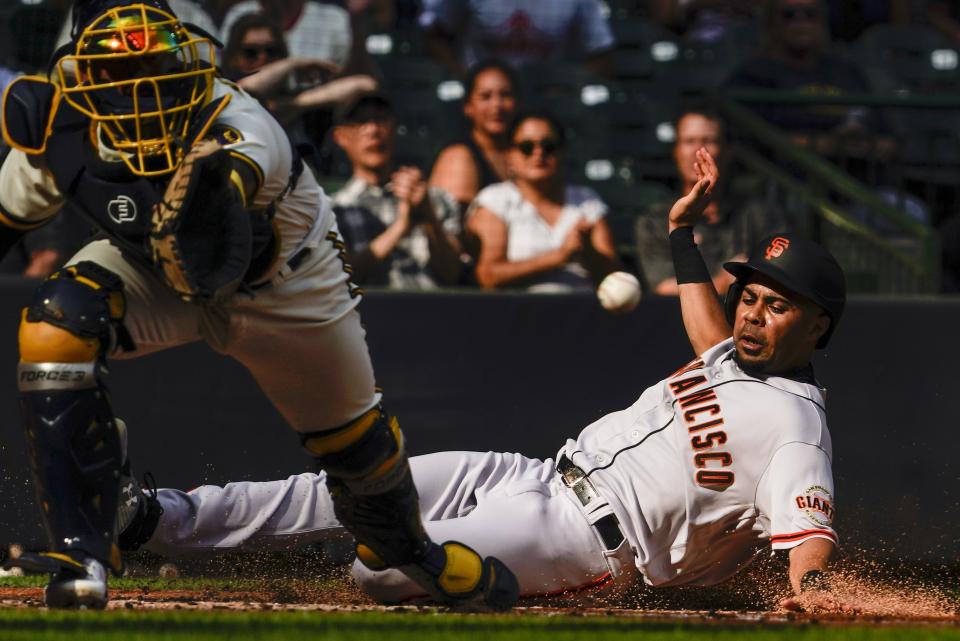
{"x": 74, "y": 447}
{"x": 76, "y": 316}
{"x": 366, "y": 455}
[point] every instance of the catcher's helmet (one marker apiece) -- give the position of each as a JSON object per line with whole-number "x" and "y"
{"x": 802, "y": 266}
{"x": 138, "y": 73}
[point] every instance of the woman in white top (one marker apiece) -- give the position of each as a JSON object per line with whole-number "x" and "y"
{"x": 535, "y": 230}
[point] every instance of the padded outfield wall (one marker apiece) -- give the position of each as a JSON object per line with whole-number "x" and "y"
{"x": 523, "y": 373}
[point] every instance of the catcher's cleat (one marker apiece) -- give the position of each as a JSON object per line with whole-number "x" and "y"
{"x": 77, "y": 581}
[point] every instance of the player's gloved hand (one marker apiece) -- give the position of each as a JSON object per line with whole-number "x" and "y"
{"x": 200, "y": 235}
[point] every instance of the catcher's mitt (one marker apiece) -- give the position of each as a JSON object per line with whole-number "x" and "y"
{"x": 200, "y": 235}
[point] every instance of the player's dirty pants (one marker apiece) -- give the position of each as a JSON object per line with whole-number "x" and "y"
{"x": 504, "y": 505}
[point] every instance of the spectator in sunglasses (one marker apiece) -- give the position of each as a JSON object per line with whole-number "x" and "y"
{"x": 255, "y": 57}
{"x": 535, "y": 230}
{"x": 316, "y": 30}
{"x": 796, "y": 57}
{"x": 399, "y": 233}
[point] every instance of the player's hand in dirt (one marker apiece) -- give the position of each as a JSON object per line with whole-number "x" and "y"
{"x": 688, "y": 210}
{"x": 821, "y": 601}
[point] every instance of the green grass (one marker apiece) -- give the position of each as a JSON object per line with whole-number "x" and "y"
{"x": 20, "y": 625}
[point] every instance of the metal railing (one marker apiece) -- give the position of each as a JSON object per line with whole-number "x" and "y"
{"x": 904, "y": 260}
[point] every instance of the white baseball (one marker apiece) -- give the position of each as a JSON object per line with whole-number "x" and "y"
{"x": 619, "y": 292}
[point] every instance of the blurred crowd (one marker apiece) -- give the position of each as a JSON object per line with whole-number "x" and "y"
{"x": 458, "y": 144}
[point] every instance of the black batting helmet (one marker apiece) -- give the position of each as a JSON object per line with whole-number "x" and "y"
{"x": 799, "y": 264}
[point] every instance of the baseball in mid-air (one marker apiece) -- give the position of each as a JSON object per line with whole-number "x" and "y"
{"x": 619, "y": 292}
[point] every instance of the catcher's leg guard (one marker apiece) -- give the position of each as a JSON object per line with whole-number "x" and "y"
{"x": 74, "y": 447}
{"x": 374, "y": 497}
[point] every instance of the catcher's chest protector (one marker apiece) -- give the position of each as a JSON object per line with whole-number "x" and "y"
{"x": 110, "y": 196}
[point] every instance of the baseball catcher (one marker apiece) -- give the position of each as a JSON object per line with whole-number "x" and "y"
{"x": 210, "y": 229}
{"x": 726, "y": 457}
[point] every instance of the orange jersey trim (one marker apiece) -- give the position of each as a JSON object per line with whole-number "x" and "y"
{"x": 796, "y": 536}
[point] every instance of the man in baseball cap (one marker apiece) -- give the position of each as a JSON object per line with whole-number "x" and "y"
{"x": 399, "y": 231}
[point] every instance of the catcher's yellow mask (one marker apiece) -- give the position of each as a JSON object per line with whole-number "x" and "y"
{"x": 141, "y": 77}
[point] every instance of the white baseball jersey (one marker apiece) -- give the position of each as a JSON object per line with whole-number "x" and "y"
{"x": 711, "y": 464}
{"x": 706, "y": 469}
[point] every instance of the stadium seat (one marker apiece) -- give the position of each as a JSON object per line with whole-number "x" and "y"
{"x": 700, "y": 68}
{"x": 641, "y": 134}
{"x": 637, "y": 33}
{"x": 411, "y": 74}
{"x": 572, "y": 94}
{"x": 917, "y": 56}
{"x": 33, "y": 30}
{"x": 929, "y": 144}
{"x": 626, "y": 201}
{"x": 398, "y": 42}
{"x": 641, "y": 47}
{"x": 424, "y": 121}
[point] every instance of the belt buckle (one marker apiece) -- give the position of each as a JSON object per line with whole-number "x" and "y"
{"x": 585, "y": 491}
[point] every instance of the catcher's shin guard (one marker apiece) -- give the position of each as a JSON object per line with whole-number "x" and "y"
{"x": 374, "y": 497}
{"x": 74, "y": 448}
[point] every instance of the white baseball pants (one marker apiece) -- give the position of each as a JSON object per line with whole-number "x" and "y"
{"x": 504, "y": 505}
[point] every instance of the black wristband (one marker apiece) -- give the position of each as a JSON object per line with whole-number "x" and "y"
{"x": 814, "y": 580}
{"x": 688, "y": 264}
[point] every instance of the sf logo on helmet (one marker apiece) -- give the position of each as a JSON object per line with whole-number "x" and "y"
{"x": 776, "y": 248}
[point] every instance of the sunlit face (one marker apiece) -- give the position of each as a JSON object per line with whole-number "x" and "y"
{"x": 775, "y": 331}
{"x": 802, "y": 24}
{"x": 492, "y": 103}
{"x": 535, "y": 152}
{"x": 257, "y": 48}
{"x": 693, "y": 132}
{"x": 369, "y": 140}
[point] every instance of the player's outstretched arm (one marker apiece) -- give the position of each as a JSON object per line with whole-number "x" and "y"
{"x": 810, "y": 581}
{"x": 703, "y": 315}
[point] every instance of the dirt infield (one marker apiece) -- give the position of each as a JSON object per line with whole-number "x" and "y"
{"x": 890, "y": 610}
{"x": 883, "y": 594}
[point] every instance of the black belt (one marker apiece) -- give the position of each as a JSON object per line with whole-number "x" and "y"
{"x": 293, "y": 263}
{"x": 573, "y": 477}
